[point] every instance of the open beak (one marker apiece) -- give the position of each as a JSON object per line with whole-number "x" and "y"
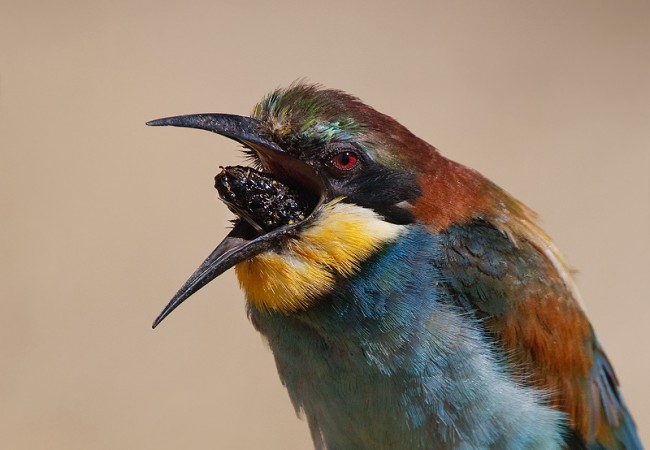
{"x": 242, "y": 242}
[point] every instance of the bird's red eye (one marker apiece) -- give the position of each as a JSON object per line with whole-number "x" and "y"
{"x": 345, "y": 160}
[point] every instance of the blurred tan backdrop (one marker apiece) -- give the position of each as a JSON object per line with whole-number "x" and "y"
{"x": 102, "y": 218}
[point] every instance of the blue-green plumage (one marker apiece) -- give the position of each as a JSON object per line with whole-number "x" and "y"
{"x": 391, "y": 360}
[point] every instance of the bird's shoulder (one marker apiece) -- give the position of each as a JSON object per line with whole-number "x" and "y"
{"x": 515, "y": 282}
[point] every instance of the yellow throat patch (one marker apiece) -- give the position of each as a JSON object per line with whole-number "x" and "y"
{"x": 335, "y": 243}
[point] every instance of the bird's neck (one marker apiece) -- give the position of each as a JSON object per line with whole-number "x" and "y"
{"x": 292, "y": 277}
{"x": 386, "y": 360}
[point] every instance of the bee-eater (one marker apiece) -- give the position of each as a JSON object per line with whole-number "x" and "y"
{"x": 414, "y": 304}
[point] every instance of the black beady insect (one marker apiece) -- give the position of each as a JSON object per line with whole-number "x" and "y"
{"x": 258, "y": 198}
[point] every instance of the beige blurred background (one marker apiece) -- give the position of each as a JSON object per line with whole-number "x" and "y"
{"x": 102, "y": 218}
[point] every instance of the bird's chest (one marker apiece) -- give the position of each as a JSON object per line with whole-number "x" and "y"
{"x": 387, "y": 361}
{"x": 359, "y": 362}
{"x": 351, "y": 360}
{"x": 347, "y": 387}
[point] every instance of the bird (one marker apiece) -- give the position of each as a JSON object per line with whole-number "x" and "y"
{"x": 415, "y": 304}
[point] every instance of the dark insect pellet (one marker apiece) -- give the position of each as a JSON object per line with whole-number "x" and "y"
{"x": 257, "y": 196}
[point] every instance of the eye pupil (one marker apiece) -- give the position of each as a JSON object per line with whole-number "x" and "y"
{"x": 345, "y": 160}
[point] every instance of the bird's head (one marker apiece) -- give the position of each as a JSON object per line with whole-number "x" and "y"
{"x": 365, "y": 177}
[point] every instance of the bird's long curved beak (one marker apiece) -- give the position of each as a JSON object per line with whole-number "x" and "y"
{"x": 245, "y": 130}
{"x": 242, "y": 242}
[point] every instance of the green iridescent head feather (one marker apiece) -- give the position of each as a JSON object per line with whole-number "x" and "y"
{"x": 308, "y": 115}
